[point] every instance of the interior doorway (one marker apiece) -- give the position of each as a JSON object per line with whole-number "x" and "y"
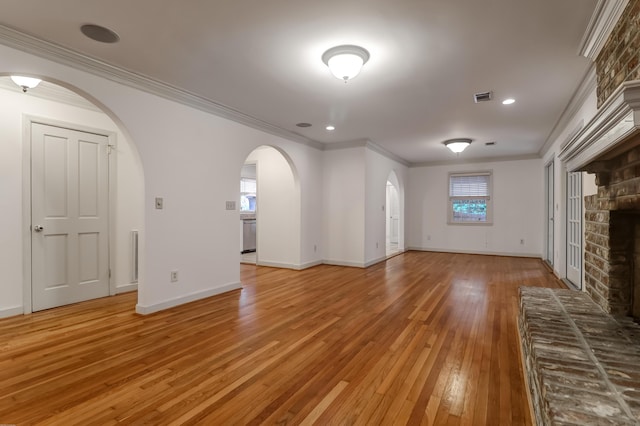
{"x": 392, "y": 218}
{"x": 74, "y": 197}
{"x": 69, "y": 216}
{"x": 248, "y": 217}
{"x": 270, "y": 209}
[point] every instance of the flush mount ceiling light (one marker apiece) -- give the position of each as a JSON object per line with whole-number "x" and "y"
{"x": 457, "y": 145}
{"x": 25, "y": 82}
{"x": 100, "y": 33}
{"x": 508, "y": 101}
{"x": 330, "y": 128}
{"x": 346, "y": 61}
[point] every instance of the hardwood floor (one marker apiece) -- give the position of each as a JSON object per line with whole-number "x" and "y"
{"x": 424, "y": 338}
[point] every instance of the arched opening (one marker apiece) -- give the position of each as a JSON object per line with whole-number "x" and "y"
{"x": 393, "y": 216}
{"x": 58, "y": 124}
{"x": 269, "y": 209}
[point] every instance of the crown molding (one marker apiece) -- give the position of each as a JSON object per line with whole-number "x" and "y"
{"x": 604, "y": 19}
{"x": 616, "y": 123}
{"x": 587, "y": 87}
{"x": 357, "y": 143}
{"x": 365, "y": 143}
{"x": 385, "y": 153}
{"x": 62, "y": 55}
{"x": 475, "y": 161}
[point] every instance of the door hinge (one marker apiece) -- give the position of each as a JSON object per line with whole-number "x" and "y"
{"x": 110, "y": 148}
{"x": 109, "y": 273}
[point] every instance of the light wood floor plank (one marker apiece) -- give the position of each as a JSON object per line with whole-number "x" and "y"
{"x": 423, "y": 338}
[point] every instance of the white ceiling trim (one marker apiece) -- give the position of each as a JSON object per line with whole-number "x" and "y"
{"x": 365, "y": 143}
{"x": 35, "y": 46}
{"x": 587, "y": 87}
{"x": 603, "y": 20}
{"x": 476, "y": 161}
{"x": 617, "y": 121}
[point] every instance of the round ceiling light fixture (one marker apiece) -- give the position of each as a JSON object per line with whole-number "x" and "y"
{"x": 508, "y": 101}
{"x": 25, "y": 82}
{"x": 303, "y": 124}
{"x": 346, "y": 61}
{"x": 457, "y": 145}
{"x": 330, "y": 128}
{"x": 100, "y": 33}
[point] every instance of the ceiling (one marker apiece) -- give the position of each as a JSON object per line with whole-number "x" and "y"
{"x": 428, "y": 58}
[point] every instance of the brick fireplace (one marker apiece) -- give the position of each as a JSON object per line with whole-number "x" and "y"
{"x": 612, "y": 246}
{"x": 581, "y": 350}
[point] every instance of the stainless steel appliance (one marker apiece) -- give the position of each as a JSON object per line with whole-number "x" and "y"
{"x": 248, "y": 235}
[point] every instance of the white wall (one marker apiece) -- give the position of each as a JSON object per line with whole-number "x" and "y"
{"x": 190, "y": 158}
{"x": 344, "y": 200}
{"x": 278, "y": 209}
{"x": 517, "y": 200}
{"x": 378, "y": 168}
{"x": 14, "y": 105}
{"x": 577, "y": 116}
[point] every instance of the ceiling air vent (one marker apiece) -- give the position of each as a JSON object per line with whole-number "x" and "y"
{"x": 482, "y": 97}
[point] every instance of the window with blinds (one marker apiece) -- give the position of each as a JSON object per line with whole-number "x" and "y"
{"x": 470, "y": 198}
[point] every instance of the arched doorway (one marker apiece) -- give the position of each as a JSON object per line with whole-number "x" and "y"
{"x": 106, "y": 255}
{"x": 394, "y": 240}
{"x": 269, "y": 209}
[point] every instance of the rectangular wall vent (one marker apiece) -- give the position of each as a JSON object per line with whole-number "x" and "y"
{"x": 482, "y": 97}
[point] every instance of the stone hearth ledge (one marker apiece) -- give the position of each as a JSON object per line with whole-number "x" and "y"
{"x": 582, "y": 365}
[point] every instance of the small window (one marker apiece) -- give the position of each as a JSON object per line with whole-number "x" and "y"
{"x": 470, "y": 198}
{"x": 247, "y": 195}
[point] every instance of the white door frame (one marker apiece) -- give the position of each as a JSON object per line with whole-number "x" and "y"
{"x": 574, "y": 193}
{"x": 549, "y": 180}
{"x": 27, "y": 121}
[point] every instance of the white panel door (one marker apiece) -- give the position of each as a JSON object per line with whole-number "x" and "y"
{"x": 69, "y": 216}
{"x": 394, "y": 214}
{"x": 574, "y": 228}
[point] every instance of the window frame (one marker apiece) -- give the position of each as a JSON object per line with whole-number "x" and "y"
{"x": 488, "y": 199}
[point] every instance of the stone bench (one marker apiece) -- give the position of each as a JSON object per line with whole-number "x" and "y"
{"x": 581, "y": 364}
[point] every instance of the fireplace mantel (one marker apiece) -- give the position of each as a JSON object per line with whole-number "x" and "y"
{"x": 613, "y": 130}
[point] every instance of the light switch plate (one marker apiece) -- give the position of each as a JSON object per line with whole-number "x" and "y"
{"x": 159, "y": 203}
{"x": 231, "y": 205}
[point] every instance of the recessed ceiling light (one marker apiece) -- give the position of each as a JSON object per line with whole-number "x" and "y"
{"x": 330, "y": 128}
{"x": 303, "y": 124}
{"x": 99, "y": 33}
{"x": 508, "y": 101}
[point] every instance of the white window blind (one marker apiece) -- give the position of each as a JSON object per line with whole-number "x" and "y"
{"x": 476, "y": 185}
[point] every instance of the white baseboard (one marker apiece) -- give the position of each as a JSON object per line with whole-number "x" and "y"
{"x": 149, "y": 309}
{"x": 344, "y": 263}
{"x": 487, "y": 253}
{"x": 374, "y": 261}
{"x": 277, "y": 265}
{"x": 310, "y": 264}
{"x": 11, "y": 312}
{"x": 126, "y": 288}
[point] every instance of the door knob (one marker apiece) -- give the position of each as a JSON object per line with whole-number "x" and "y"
{"x": 37, "y": 228}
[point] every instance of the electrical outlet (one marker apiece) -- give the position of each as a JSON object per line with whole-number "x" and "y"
{"x": 174, "y": 276}
{"x": 376, "y": 244}
{"x": 230, "y": 205}
{"x": 522, "y": 241}
{"x": 428, "y": 237}
{"x": 315, "y": 248}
